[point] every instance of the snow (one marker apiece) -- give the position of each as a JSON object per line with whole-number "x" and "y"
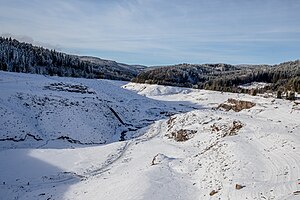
{"x": 261, "y": 154}
{"x": 254, "y": 85}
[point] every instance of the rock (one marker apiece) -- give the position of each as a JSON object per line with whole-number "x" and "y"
{"x": 236, "y": 126}
{"x": 238, "y": 186}
{"x": 297, "y": 192}
{"x": 213, "y": 193}
{"x": 159, "y": 158}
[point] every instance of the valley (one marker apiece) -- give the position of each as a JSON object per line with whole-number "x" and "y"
{"x": 75, "y": 138}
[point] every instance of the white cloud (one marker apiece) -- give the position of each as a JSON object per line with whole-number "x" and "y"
{"x": 143, "y": 25}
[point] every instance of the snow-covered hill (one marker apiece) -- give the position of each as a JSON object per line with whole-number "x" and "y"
{"x": 65, "y": 138}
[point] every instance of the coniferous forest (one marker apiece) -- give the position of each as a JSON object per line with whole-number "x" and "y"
{"x": 224, "y": 77}
{"x": 18, "y": 56}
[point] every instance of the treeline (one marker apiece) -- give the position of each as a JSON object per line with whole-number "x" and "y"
{"x": 17, "y": 56}
{"x": 185, "y": 75}
{"x": 228, "y": 78}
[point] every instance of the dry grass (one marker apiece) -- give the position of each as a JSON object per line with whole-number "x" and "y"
{"x": 182, "y": 135}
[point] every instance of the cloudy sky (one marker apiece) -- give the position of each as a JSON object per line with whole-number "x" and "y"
{"x": 155, "y": 32}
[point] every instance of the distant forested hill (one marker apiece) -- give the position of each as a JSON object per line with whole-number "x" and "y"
{"x": 224, "y": 77}
{"x": 18, "y": 56}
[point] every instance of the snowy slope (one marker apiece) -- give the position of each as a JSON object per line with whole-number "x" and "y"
{"x": 84, "y": 111}
{"x": 255, "y": 150}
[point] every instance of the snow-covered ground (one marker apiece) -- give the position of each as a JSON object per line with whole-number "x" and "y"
{"x": 254, "y": 85}
{"x": 65, "y": 138}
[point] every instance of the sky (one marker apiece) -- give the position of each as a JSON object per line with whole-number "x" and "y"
{"x": 160, "y": 32}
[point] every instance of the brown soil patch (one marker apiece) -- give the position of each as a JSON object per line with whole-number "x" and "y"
{"x": 236, "y": 105}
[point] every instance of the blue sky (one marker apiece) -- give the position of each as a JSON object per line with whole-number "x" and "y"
{"x": 160, "y": 32}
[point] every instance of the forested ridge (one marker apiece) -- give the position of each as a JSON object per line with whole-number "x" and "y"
{"x": 224, "y": 77}
{"x": 18, "y": 56}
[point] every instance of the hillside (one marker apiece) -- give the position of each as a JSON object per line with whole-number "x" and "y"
{"x": 224, "y": 77}
{"x": 84, "y": 111}
{"x": 74, "y": 138}
{"x": 17, "y": 56}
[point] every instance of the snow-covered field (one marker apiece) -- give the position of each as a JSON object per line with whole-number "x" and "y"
{"x": 66, "y": 138}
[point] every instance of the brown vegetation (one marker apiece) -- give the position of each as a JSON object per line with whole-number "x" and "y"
{"x": 236, "y": 126}
{"x": 182, "y": 135}
{"x": 236, "y": 105}
{"x": 170, "y": 122}
{"x": 227, "y": 130}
